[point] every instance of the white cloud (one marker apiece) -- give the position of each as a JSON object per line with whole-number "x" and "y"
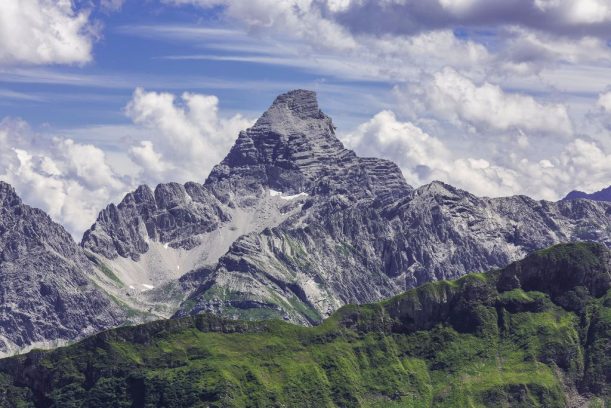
{"x": 424, "y": 158}
{"x": 574, "y": 17}
{"x": 410, "y": 15}
{"x": 586, "y": 11}
{"x": 397, "y": 40}
{"x": 396, "y": 56}
{"x": 300, "y": 19}
{"x": 68, "y": 180}
{"x": 187, "y": 136}
{"x": 44, "y": 32}
{"x": 420, "y": 155}
{"x": 604, "y": 101}
{"x": 457, "y": 6}
{"x": 172, "y": 139}
{"x": 450, "y": 96}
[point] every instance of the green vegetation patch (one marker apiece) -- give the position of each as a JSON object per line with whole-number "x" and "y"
{"x": 445, "y": 344}
{"x": 104, "y": 269}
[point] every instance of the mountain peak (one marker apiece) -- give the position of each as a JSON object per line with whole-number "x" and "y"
{"x": 296, "y": 113}
{"x": 8, "y": 196}
{"x": 300, "y": 103}
{"x": 291, "y": 145}
{"x": 293, "y": 148}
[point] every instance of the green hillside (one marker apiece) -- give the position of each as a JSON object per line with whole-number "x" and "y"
{"x": 535, "y": 334}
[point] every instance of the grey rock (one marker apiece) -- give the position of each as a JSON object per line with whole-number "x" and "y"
{"x": 328, "y": 227}
{"x": 172, "y": 213}
{"x": 602, "y": 195}
{"x": 47, "y": 295}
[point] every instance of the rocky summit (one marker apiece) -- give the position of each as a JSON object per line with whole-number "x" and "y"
{"x": 47, "y": 294}
{"x": 293, "y": 225}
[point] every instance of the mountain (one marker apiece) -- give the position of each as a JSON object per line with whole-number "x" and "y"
{"x": 534, "y": 334}
{"x": 602, "y": 195}
{"x": 47, "y": 294}
{"x": 292, "y": 225}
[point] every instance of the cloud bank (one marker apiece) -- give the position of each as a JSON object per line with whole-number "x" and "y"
{"x": 68, "y": 180}
{"x": 187, "y": 136}
{"x": 72, "y": 181}
{"x": 424, "y": 158}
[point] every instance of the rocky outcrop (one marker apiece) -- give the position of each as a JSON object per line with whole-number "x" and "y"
{"x": 562, "y": 269}
{"x": 302, "y": 225}
{"x": 602, "y": 195}
{"x": 172, "y": 214}
{"x": 46, "y": 291}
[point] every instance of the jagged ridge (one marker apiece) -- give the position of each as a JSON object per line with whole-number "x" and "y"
{"x": 326, "y": 227}
{"x": 46, "y": 291}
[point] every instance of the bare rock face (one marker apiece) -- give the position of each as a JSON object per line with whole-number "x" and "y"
{"x": 292, "y": 148}
{"x": 293, "y": 225}
{"x": 46, "y": 291}
{"x": 173, "y": 213}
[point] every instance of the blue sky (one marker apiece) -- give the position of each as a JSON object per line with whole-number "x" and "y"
{"x": 130, "y": 54}
{"x": 495, "y": 97}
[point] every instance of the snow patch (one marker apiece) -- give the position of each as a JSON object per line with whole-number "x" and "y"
{"x": 294, "y": 196}
{"x": 147, "y": 287}
{"x": 275, "y": 193}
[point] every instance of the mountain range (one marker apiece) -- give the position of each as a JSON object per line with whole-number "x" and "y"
{"x": 533, "y": 334}
{"x": 290, "y": 225}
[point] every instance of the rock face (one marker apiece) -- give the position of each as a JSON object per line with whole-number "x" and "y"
{"x": 602, "y": 195}
{"x": 46, "y": 290}
{"x": 293, "y": 225}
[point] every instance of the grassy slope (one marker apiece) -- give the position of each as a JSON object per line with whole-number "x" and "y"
{"x": 462, "y": 343}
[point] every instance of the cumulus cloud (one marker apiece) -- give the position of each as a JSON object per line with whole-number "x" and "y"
{"x": 604, "y": 101}
{"x": 424, "y": 158}
{"x": 564, "y": 17}
{"x": 421, "y": 156}
{"x": 68, "y": 180}
{"x": 44, "y": 32}
{"x": 569, "y": 17}
{"x": 171, "y": 139}
{"x": 448, "y": 95}
{"x": 187, "y": 135}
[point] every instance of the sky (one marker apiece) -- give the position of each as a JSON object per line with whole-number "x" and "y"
{"x": 497, "y": 97}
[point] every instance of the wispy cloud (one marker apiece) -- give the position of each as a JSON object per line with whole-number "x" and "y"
{"x": 22, "y": 96}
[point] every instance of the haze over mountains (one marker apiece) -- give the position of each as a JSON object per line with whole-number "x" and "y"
{"x": 289, "y": 225}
